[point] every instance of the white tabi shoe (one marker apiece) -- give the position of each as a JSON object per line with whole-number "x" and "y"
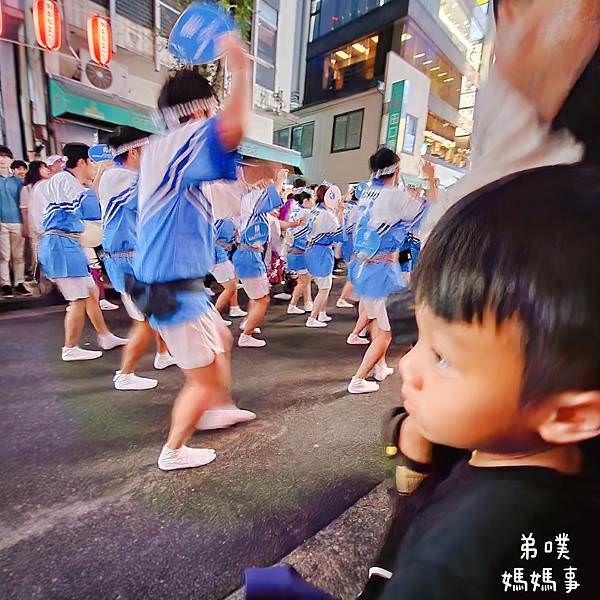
{"x": 77, "y": 353}
{"x": 382, "y": 373}
{"x": 355, "y": 340}
{"x": 221, "y": 418}
{"x": 236, "y": 311}
{"x": 185, "y": 458}
{"x": 247, "y": 341}
{"x": 362, "y": 386}
{"x": 294, "y": 310}
{"x": 106, "y": 305}
{"x": 311, "y": 322}
{"x": 162, "y": 361}
{"x": 131, "y": 382}
{"x": 110, "y": 341}
{"x": 341, "y": 303}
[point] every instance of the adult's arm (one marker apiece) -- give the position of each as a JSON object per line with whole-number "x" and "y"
{"x": 232, "y": 122}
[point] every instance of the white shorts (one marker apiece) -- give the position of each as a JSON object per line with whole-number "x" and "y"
{"x": 376, "y": 309}
{"x": 75, "y": 288}
{"x": 256, "y": 287}
{"x": 223, "y": 272}
{"x": 324, "y": 283}
{"x": 132, "y": 310}
{"x": 196, "y": 343}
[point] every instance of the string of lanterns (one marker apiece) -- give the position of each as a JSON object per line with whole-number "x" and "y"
{"x": 48, "y": 31}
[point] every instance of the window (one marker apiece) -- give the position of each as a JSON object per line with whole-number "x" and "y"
{"x": 347, "y": 131}
{"x": 418, "y": 50}
{"x": 410, "y": 134}
{"x": 282, "y": 137}
{"x": 302, "y": 139}
{"x": 266, "y": 43}
{"x": 353, "y": 62}
{"x": 329, "y": 15}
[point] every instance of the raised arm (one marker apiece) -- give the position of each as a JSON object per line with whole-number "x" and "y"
{"x": 232, "y": 122}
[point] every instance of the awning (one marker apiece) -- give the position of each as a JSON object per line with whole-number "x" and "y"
{"x": 272, "y": 153}
{"x": 72, "y": 98}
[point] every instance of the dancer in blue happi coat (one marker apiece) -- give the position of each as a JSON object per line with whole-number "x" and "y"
{"x": 296, "y": 262}
{"x": 248, "y": 258}
{"x": 68, "y": 203}
{"x": 386, "y": 215}
{"x": 118, "y": 194}
{"x": 324, "y": 230}
{"x": 175, "y": 244}
{"x": 228, "y": 200}
{"x": 348, "y": 224}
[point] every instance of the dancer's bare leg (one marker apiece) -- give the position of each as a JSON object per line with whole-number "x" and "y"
{"x": 94, "y": 312}
{"x": 204, "y": 386}
{"x": 256, "y": 314}
{"x": 320, "y": 303}
{"x": 140, "y": 337}
{"x": 376, "y": 352}
{"x": 74, "y": 322}
{"x": 226, "y": 296}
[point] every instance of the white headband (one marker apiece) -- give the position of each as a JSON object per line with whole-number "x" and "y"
{"x": 385, "y": 171}
{"x": 130, "y": 145}
{"x": 170, "y": 116}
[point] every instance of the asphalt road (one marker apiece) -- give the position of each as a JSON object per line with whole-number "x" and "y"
{"x": 85, "y": 512}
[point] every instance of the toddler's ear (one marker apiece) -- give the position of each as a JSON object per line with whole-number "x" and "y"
{"x": 572, "y": 417}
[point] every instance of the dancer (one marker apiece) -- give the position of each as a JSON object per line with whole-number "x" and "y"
{"x": 223, "y": 270}
{"x": 387, "y": 214}
{"x": 349, "y": 222}
{"x": 295, "y": 255}
{"x": 62, "y": 258}
{"x": 228, "y": 203}
{"x": 118, "y": 195}
{"x": 176, "y": 247}
{"x": 248, "y": 260}
{"x": 323, "y": 231}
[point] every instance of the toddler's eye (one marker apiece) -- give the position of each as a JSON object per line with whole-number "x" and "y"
{"x": 442, "y": 362}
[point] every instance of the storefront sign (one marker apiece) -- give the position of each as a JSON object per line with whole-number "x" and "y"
{"x": 394, "y": 115}
{"x": 99, "y": 34}
{"x": 46, "y": 21}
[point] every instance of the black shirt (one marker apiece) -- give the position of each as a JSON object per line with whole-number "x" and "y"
{"x": 470, "y": 533}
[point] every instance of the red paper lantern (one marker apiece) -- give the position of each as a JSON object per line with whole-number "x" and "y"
{"x": 46, "y": 20}
{"x": 99, "y": 34}
{"x": 0, "y": 17}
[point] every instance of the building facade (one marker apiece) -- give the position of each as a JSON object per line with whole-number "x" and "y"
{"x": 403, "y": 73}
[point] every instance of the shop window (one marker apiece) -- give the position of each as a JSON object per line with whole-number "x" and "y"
{"x": 410, "y": 135}
{"x": 347, "y": 131}
{"x": 302, "y": 139}
{"x": 419, "y": 51}
{"x": 351, "y": 64}
{"x": 282, "y": 137}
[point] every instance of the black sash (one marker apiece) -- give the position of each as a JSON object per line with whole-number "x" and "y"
{"x": 158, "y": 299}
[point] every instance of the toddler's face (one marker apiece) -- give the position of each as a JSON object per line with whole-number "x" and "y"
{"x": 462, "y": 382}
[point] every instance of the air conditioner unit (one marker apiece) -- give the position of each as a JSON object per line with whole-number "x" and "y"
{"x": 110, "y": 80}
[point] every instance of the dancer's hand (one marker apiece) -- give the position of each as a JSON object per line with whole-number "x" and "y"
{"x": 280, "y": 179}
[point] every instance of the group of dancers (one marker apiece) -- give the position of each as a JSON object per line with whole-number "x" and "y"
{"x": 173, "y": 207}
